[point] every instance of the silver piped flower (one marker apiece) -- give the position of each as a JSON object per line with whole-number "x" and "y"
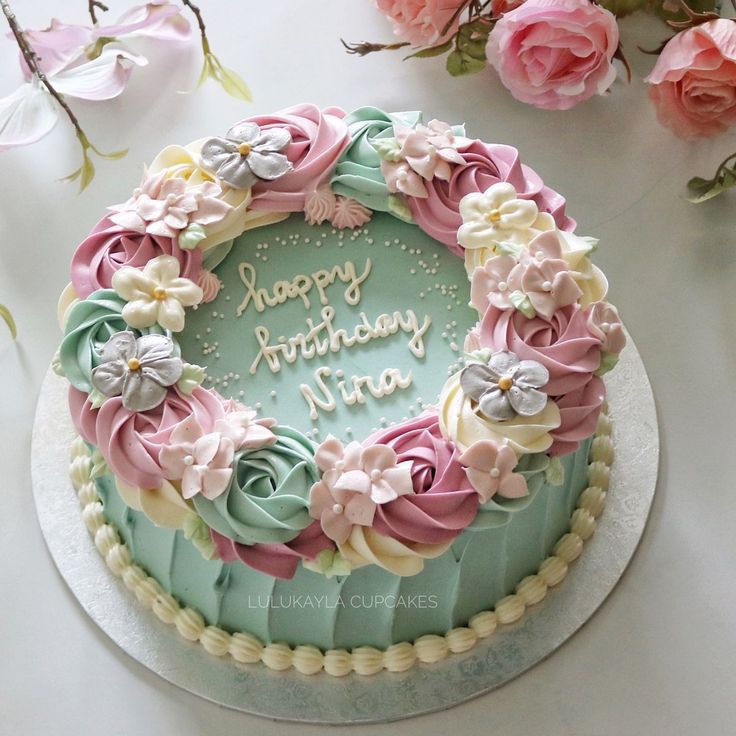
{"x": 140, "y": 370}
{"x": 247, "y": 154}
{"x": 506, "y": 386}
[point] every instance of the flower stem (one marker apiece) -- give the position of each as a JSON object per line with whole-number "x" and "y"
{"x": 200, "y": 22}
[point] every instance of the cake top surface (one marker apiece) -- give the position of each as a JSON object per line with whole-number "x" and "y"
{"x": 353, "y": 385}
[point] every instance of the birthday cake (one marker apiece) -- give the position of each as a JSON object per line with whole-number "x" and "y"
{"x": 337, "y": 385}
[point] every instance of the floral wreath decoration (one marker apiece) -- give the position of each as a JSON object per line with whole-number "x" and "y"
{"x": 246, "y": 488}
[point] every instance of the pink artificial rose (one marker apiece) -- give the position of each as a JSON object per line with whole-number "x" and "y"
{"x": 443, "y": 503}
{"x": 579, "y": 411}
{"x": 318, "y": 137}
{"x": 131, "y": 442}
{"x": 421, "y": 22}
{"x": 563, "y": 344}
{"x": 278, "y": 560}
{"x": 108, "y": 248}
{"x": 694, "y": 80}
{"x": 555, "y": 53}
{"x": 438, "y": 214}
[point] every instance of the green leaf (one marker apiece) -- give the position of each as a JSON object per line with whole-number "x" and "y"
{"x": 555, "y": 472}
{"x": 398, "y": 207}
{"x": 521, "y": 302}
{"x": 230, "y": 81}
{"x": 197, "y": 531}
{"x": 608, "y": 363}
{"x": 191, "y": 377}
{"x": 7, "y": 317}
{"x": 701, "y": 190}
{"x": 189, "y": 238}
{"x": 56, "y": 366}
{"x": 329, "y": 564}
{"x": 428, "y": 53}
{"x": 96, "y": 398}
{"x": 508, "y": 249}
{"x": 460, "y": 64}
{"x": 387, "y": 148}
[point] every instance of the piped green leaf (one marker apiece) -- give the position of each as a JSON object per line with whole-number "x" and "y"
{"x": 555, "y": 472}
{"x": 191, "y": 377}
{"x": 389, "y": 149}
{"x": 190, "y": 237}
{"x": 608, "y": 363}
{"x": 398, "y": 207}
{"x": 521, "y": 302}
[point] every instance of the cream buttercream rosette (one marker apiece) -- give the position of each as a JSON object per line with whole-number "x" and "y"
{"x": 184, "y": 162}
{"x": 462, "y": 423}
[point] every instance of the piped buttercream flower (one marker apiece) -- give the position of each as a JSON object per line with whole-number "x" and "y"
{"x": 201, "y": 461}
{"x": 354, "y": 481}
{"x": 489, "y": 467}
{"x": 247, "y": 154}
{"x": 506, "y": 386}
{"x": 319, "y": 205}
{"x": 167, "y": 206}
{"x": 496, "y": 216}
{"x": 421, "y": 154}
{"x": 140, "y": 370}
{"x": 548, "y": 284}
{"x": 243, "y": 427}
{"x": 156, "y": 294}
{"x": 494, "y": 282}
{"x": 605, "y": 324}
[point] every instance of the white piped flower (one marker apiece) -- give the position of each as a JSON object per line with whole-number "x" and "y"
{"x": 156, "y": 294}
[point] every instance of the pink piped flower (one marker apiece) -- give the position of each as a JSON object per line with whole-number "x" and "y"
{"x": 694, "y": 80}
{"x": 202, "y": 461}
{"x": 605, "y": 324}
{"x": 355, "y": 480}
{"x": 494, "y": 282}
{"x": 242, "y": 426}
{"x": 549, "y": 285}
{"x": 210, "y": 284}
{"x": 425, "y": 153}
{"x": 162, "y": 206}
{"x": 490, "y": 467}
{"x": 320, "y": 205}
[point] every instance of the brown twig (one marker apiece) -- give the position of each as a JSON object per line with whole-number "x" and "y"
{"x": 93, "y": 6}
{"x": 200, "y": 22}
{"x": 366, "y": 47}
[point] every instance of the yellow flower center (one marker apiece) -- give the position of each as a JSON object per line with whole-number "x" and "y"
{"x": 134, "y": 364}
{"x": 505, "y": 383}
{"x": 159, "y": 293}
{"x": 494, "y": 215}
{"x": 244, "y": 149}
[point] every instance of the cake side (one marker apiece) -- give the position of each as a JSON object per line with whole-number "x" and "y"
{"x": 365, "y": 660}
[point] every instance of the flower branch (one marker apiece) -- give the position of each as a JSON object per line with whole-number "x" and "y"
{"x": 86, "y": 171}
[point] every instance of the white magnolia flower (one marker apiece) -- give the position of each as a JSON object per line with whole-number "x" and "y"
{"x": 156, "y": 294}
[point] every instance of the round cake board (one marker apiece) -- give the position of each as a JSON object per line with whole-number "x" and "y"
{"x": 354, "y": 699}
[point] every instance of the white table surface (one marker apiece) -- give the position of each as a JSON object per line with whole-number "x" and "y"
{"x": 659, "y": 656}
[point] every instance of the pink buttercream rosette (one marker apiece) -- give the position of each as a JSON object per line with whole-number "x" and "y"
{"x": 131, "y": 442}
{"x": 444, "y": 502}
{"x": 318, "y": 137}
{"x": 110, "y": 247}
{"x": 279, "y": 560}
{"x": 438, "y": 214}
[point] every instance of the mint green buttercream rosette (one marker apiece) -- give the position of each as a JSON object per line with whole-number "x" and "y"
{"x": 268, "y": 497}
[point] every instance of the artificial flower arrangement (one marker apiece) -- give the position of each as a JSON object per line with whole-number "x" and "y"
{"x": 554, "y": 54}
{"x": 246, "y": 488}
{"x": 92, "y": 62}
